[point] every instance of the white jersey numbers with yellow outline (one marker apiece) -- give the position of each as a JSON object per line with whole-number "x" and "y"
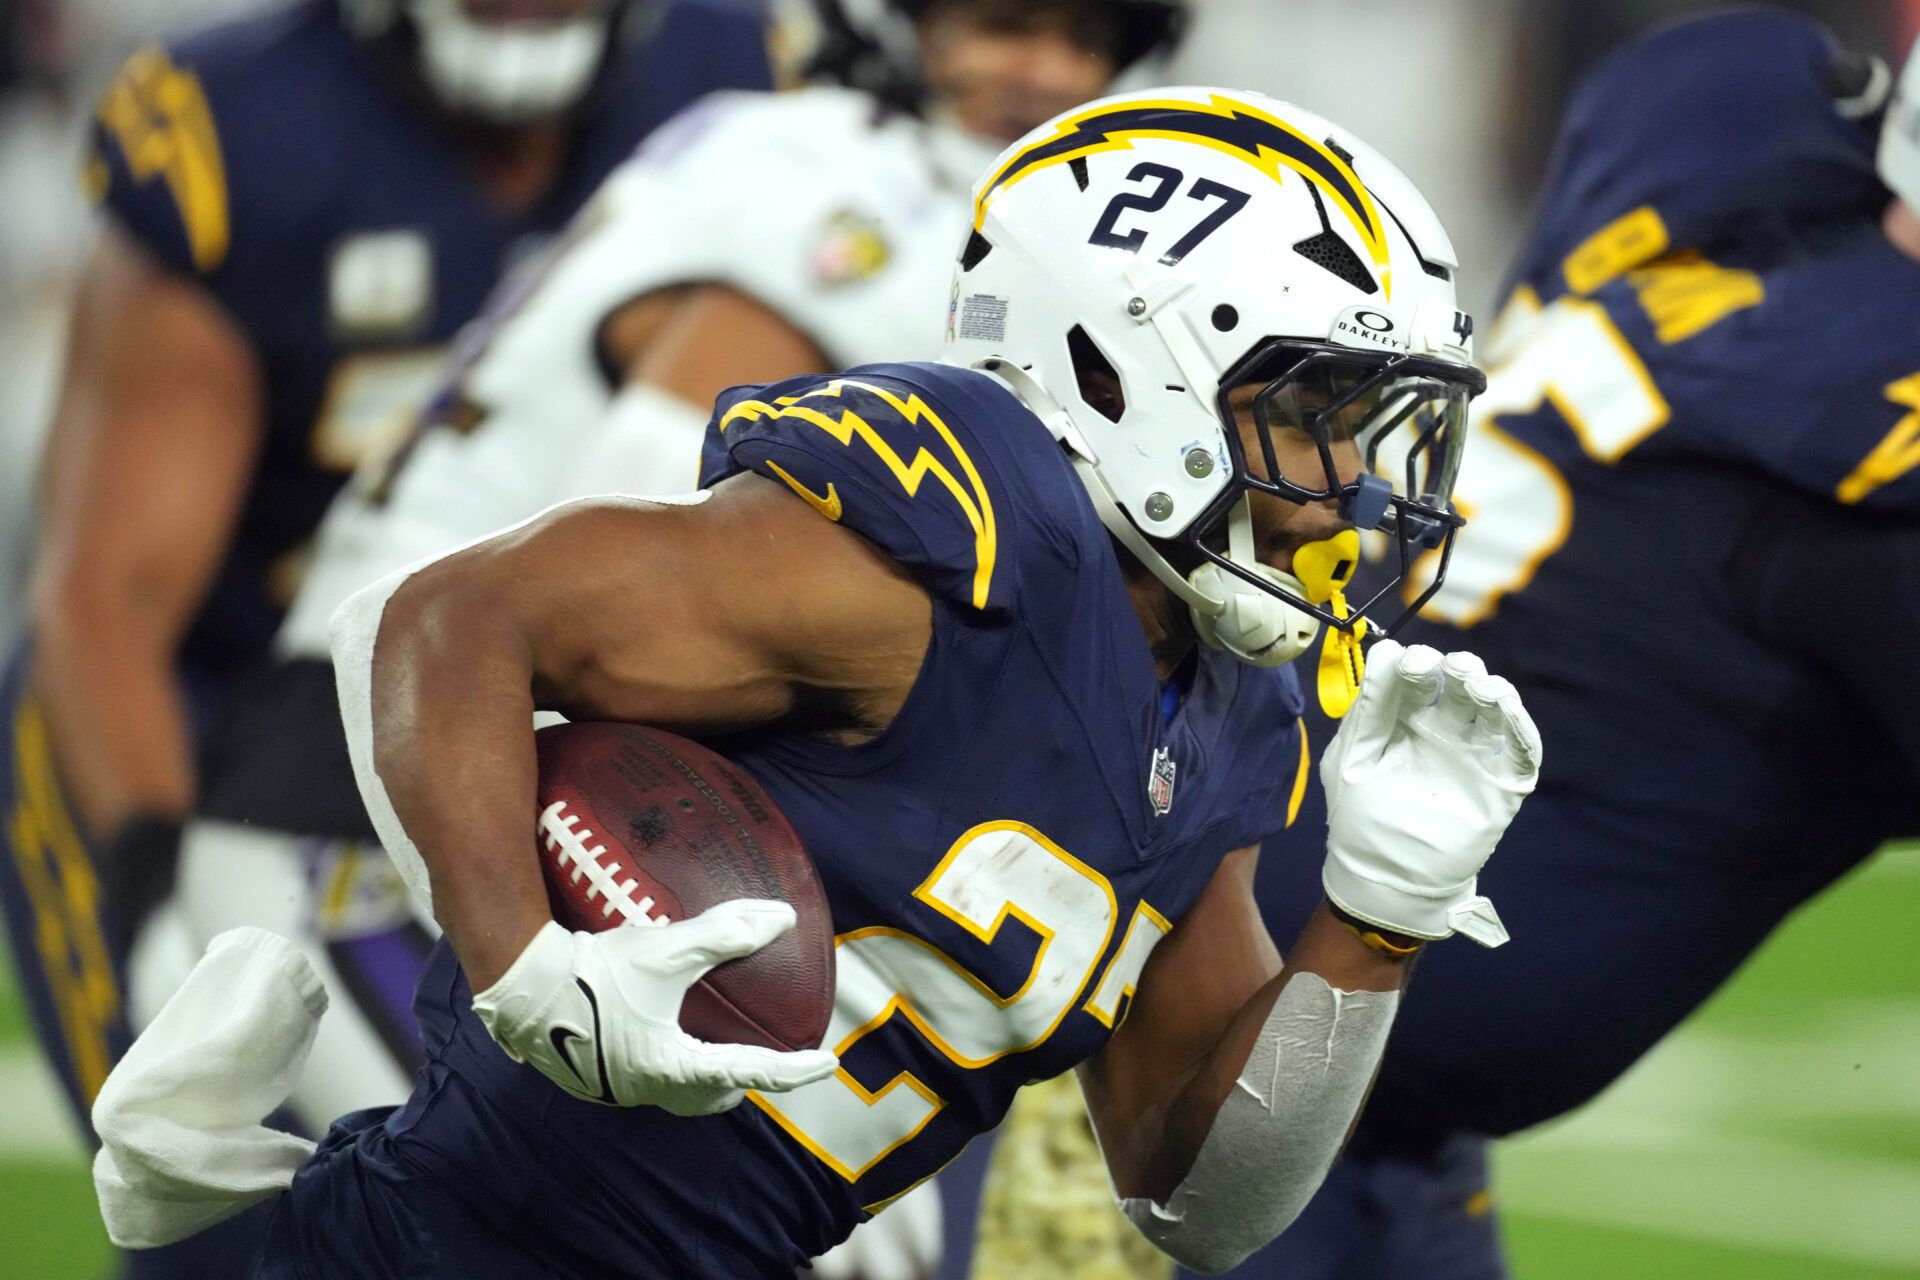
{"x": 995, "y": 871}
{"x": 1518, "y": 509}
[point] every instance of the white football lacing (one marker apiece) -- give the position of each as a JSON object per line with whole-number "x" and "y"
{"x": 602, "y": 871}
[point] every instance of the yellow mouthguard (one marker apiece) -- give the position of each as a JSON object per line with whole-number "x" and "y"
{"x": 1325, "y": 568}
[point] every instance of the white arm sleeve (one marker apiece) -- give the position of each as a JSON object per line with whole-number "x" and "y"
{"x": 1278, "y": 1131}
{"x": 355, "y": 627}
{"x": 648, "y": 443}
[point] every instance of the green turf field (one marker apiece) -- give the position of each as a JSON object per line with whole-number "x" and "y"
{"x": 1777, "y": 1137}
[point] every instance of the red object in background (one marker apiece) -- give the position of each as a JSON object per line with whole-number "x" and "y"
{"x": 639, "y": 827}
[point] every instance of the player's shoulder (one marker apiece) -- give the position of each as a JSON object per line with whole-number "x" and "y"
{"x": 1703, "y": 130}
{"x": 1817, "y": 382}
{"x": 191, "y": 127}
{"x": 1801, "y": 363}
{"x": 943, "y": 467}
{"x": 258, "y": 64}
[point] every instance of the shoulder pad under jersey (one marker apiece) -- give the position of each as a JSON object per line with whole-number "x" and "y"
{"x": 1716, "y": 128}
{"x": 942, "y": 468}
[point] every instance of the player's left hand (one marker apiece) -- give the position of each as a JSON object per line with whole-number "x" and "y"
{"x": 1422, "y": 779}
{"x": 902, "y": 1243}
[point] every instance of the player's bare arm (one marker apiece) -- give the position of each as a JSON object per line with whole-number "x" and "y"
{"x": 148, "y": 463}
{"x": 744, "y": 610}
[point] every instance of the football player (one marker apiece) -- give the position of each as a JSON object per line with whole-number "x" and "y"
{"x": 304, "y": 205}
{"x": 1005, "y": 637}
{"x": 1702, "y": 426}
{"x": 585, "y": 379}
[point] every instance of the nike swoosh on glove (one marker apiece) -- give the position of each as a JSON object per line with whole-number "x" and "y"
{"x": 599, "y": 1013}
{"x": 1422, "y": 779}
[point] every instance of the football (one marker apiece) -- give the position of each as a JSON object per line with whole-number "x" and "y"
{"x": 639, "y": 828}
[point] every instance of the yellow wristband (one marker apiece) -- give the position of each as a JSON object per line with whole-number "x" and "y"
{"x": 1374, "y": 942}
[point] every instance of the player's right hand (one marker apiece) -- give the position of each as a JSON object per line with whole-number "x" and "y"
{"x": 599, "y": 1013}
{"x": 1427, "y": 770}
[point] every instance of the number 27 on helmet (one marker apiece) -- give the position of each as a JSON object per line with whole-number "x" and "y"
{"x": 1134, "y": 263}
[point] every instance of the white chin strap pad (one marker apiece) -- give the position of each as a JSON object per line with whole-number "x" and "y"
{"x": 1254, "y": 626}
{"x": 507, "y": 74}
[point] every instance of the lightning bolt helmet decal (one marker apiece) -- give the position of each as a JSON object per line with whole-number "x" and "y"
{"x": 1266, "y": 142}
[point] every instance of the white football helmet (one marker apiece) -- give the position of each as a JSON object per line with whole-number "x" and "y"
{"x": 1899, "y": 158}
{"x": 1187, "y": 241}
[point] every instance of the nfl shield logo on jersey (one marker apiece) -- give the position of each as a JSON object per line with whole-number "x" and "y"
{"x": 1160, "y": 781}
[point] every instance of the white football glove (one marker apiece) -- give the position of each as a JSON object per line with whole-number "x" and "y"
{"x": 1422, "y": 779}
{"x": 599, "y": 1013}
{"x": 902, "y": 1243}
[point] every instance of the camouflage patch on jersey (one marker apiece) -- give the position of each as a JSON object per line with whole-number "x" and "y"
{"x": 1048, "y": 1209}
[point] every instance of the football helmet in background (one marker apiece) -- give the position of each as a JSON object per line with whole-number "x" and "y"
{"x": 1177, "y": 244}
{"x": 1899, "y": 155}
{"x": 505, "y": 73}
{"x": 874, "y": 45}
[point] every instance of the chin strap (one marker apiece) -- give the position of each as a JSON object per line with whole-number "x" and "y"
{"x": 1253, "y": 625}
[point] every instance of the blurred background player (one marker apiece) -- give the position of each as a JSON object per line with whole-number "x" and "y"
{"x": 1701, "y": 433}
{"x": 304, "y": 206}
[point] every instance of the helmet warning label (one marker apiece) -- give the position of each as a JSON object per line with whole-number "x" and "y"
{"x": 983, "y": 317}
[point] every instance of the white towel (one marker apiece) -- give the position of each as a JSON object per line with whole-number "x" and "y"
{"x": 182, "y": 1146}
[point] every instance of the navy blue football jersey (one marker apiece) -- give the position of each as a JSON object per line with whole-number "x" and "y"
{"x": 1693, "y": 543}
{"x": 1709, "y": 332}
{"x": 272, "y": 160}
{"x": 1000, "y": 861}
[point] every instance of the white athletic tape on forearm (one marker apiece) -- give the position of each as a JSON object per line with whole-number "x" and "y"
{"x": 648, "y": 443}
{"x": 355, "y": 627}
{"x": 1279, "y": 1129}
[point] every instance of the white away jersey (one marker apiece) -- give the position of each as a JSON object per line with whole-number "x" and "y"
{"x": 841, "y": 217}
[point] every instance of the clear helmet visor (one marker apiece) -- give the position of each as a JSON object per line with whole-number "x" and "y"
{"x": 1394, "y": 423}
{"x": 1378, "y": 436}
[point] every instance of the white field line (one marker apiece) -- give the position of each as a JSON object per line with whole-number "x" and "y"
{"x": 1680, "y": 1147}
{"x": 1904, "y": 861}
{"x": 34, "y": 1123}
